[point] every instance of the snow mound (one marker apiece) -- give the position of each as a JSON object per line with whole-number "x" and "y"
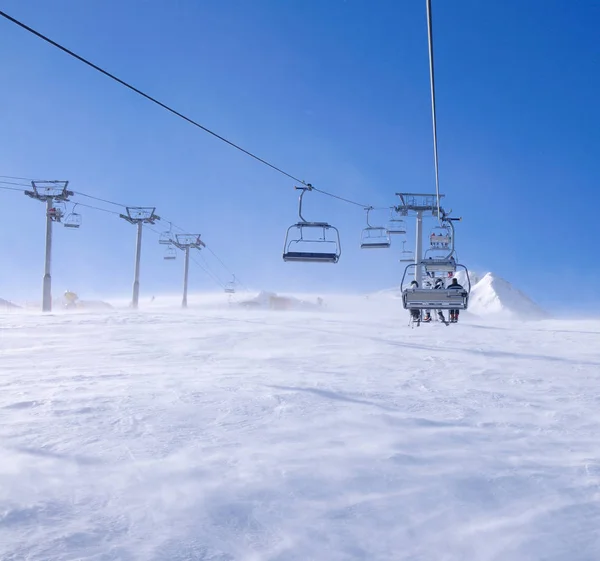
{"x": 273, "y": 301}
{"x": 493, "y": 295}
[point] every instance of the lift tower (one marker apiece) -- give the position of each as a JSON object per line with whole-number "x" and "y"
{"x": 185, "y": 242}
{"x": 139, "y": 216}
{"x": 418, "y": 204}
{"x": 55, "y": 194}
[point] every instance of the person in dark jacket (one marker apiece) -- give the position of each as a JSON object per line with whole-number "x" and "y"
{"x": 454, "y": 313}
{"x": 439, "y": 285}
{"x": 415, "y": 314}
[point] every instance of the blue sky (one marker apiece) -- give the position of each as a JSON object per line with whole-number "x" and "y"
{"x": 335, "y": 92}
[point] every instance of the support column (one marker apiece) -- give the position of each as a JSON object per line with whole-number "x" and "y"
{"x": 186, "y": 270}
{"x": 419, "y": 249}
{"x": 136, "y": 276}
{"x": 47, "y": 290}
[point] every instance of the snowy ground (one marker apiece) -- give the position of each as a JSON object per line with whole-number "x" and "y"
{"x": 231, "y": 434}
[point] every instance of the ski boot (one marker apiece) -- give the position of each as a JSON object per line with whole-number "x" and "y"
{"x": 442, "y": 318}
{"x": 427, "y": 318}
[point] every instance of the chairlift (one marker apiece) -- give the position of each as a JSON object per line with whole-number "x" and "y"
{"x": 166, "y": 238}
{"x": 57, "y": 211}
{"x": 72, "y": 220}
{"x": 311, "y": 242}
{"x": 170, "y": 253}
{"x": 440, "y": 237}
{"x": 374, "y": 237}
{"x": 406, "y": 255}
{"x": 420, "y": 298}
{"x": 230, "y": 287}
{"x": 396, "y": 225}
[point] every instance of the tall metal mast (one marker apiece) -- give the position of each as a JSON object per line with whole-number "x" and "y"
{"x": 418, "y": 204}
{"x": 54, "y": 194}
{"x": 139, "y": 216}
{"x": 185, "y": 242}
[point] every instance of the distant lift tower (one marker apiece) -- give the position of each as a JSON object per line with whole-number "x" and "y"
{"x": 417, "y": 204}
{"x": 185, "y": 242}
{"x": 54, "y": 194}
{"x": 139, "y": 216}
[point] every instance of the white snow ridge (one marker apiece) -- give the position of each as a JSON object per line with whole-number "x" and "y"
{"x": 493, "y": 295}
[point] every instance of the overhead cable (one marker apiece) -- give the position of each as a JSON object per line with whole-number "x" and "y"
{"x": 167, "y": 107}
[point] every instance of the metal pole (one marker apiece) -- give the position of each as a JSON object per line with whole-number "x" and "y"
{"x": 419, "y": 248}
{"x": 186, "y": 270}
{"x": 136, "y": 277}
{"x": 47, "y": 290}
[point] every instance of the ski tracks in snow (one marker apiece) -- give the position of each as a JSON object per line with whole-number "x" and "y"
{"x": 260, "y": 436}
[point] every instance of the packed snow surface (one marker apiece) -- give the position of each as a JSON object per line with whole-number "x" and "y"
{"x": 227, "y": 433}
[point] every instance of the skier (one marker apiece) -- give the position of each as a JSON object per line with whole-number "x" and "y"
{"x": 439, "y": 285}
{"x": 427, "y": 284}
{"x": 454, "y": 313}
{"x": 415, "y": 315}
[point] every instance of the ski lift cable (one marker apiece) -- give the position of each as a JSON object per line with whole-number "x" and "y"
{"x": 433, "y": 112}
{"x": 208, "y": 272}
{"x": 98, "y": 208}
{"x": 220, "y": 281}
{"x": 16, "y": 177}
{"x": 168, "y": 108}
{"x": 11, "y": 188}
{"x": 99, "y": 199}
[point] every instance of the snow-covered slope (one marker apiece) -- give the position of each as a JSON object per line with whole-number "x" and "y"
{"x": 493, "y": 295}
{"x": 252, "y": 435}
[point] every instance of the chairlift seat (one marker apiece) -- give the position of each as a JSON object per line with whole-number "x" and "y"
{"x": 396, "y": 230}
{"x": 444, "y": 265}
{"x": 375, "y": 245}
{"x": 432, "y": 299}
{"x": 310, "y": 257}
{"x": 375, "y": 237}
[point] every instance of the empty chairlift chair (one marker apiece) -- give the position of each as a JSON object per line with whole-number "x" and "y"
{"x": 396, "y": 224}
{"x": 170, "y": 253}
{"x": 374, "y": 237}
{"x": 406, "y": 255}
{"x": 72, "y": 220}
{"x": 229, "y": 288}
{"x": 311, "y": 242}
{"x": 166, "y": 238}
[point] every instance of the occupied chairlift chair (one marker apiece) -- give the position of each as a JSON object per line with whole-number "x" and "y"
{"x": 57, "y": 211}
{"x": 440, "y": 238}
{"x": 311, "y": 242}
{"x": 374, "y": 237}
{"x": 437, "y": 299}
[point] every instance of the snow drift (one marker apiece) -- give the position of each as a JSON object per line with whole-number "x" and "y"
{"x": 246, "y": 435}
{"x": 495, "y": 296}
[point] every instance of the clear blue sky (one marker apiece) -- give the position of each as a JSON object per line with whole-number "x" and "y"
{"x": 334, "y": 91}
